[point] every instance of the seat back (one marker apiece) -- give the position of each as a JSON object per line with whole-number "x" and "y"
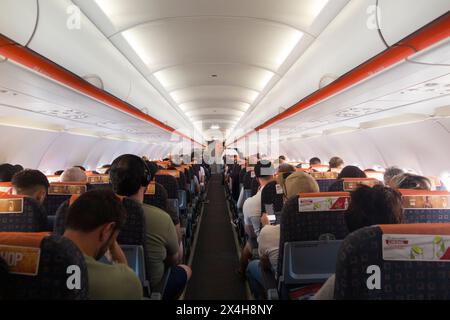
{"x": 325, "y": 179}
{"x": 422, "y": 206}
{"x": 5, "y": 187}
{"x": 156, "y": 195}
{"x": 350, "y": 184}
{"x": 313, "y": 217}
{"x": 167, "y": 179}
{"x": 40, "y": 266}
{"x": 58, "y": 192}
{"x": 308, "y": 264}
{"x": 395, "y": 262}
{"x": 136, "y": 261}
{"x": 21, "y": 214}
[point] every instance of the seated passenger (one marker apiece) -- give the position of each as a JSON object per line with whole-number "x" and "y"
{"x": 58, "y": 172}
{"x": 93, "y": 223}
{"x": 391, "y": 172}
{"x": 410, "y": 181}
{"x": 81, "y": 167}
{"x": 74, "y": 174}
{"x": 18, "y": 168}
{"x": 368, "y": 206}
{"x": 269, "y": 237}
{"x": 130, "y": 177}
{"x": 6, "y": 172}
{"x": 314, "y": 161}
{"x": 33, "y": 184}
{"x": 347, "y": 172}
{"x": 336, "y": 164}
{"x": 264, "y": 173}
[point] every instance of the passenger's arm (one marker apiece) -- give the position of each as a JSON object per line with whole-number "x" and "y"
{"x": 117, "y": 254}
{"x": 172, "y": 244}
{"x": 265, "y": 263}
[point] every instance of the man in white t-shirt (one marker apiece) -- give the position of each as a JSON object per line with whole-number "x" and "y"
{"x": 264, "y": 173}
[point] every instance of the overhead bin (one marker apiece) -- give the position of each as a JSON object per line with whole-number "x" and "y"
{"x": 18, "y": 19}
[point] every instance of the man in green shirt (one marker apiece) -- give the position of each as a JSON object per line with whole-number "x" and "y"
{"x": 93, "y": 223}
{"x": 130, "y": 177}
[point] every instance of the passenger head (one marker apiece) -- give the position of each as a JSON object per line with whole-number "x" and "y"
{"x": 58, "y": 172}
{"x": 336, "y": 163}
{"x": 153, "y": 167}
{"x": 264, "y": 172}
{"x": 286, "y": 167}
{"x": 410, "y": 181}
{"x": 281, "y": 159}
{"x": 130, "y": 176}
{"x": 18, "y": 168}
{"x": 31, "y": 183}
{"x": 81, "y": 167}
{"x": 298, "y": 182}
{"x": 74, "y": 174}
{"x": 6, "y": 172}
{"x": 370, "y": 206}
{"x": 314, "y": 161}
{"x": 390, "y": 173}
{"x": 351, "y": 172}
{"x": 93, "y": 221}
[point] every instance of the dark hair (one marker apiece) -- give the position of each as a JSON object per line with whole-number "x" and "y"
{"x": 286, "y": 167}
{"x": 351, "y": 172}
{"x": 18, "y": 168}
{"x": 314, "y": 161}
{"x": 95, "y": 208}
{"x": 152, "y": 167}
{"x": 335, "y": 162}
{"x": 264, "y": 168}
{"x": 370, "y": 206}
{"x": 127, "y": 174}
{"x": 411, "y": 181}
{"x": 282, "y": 158}
{"x": 28, "y": 180}
{"x": 59, "y": 172}
{"x": 390, "y": 173}
{"x": 6, "y": 172}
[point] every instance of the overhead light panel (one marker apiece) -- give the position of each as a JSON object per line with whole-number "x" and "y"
{"x": 215, "y": 127}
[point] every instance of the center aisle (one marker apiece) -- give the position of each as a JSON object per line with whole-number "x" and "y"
{"x": 215, "y": 259}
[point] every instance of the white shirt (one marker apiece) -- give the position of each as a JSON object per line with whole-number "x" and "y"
{"x": 252, "y": 212}
{"x": 268, "y": 244}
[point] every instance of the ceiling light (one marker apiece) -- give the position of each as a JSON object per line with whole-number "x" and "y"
{"x": 137, "y": 46}
{"x": 215, "y": 127}
{"x": 289, "y": 45}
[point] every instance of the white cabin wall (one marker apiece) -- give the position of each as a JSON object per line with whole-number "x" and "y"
{"x": 421, "y": 146}
{"x": 49, "y": 151}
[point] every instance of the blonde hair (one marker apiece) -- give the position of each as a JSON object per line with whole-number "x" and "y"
{"x": 298, "y": 182}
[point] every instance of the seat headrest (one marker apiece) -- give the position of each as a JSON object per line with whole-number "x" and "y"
{"x": 173, "y": 173}
{"x": 325, "y": 175}
{"x": 416, "y": 242}
{"x": 67, "y": 188}
{"x": 323, "y": 201}
{"x": 151, "y": 189}
{"x": 98, "y": 178}
{"x": 424, "y": 199}
{"x": 21, "y": 251}
{"x": 351, "y": 184}
{"x": 10, "y": 203}
{"x": 5, "y": 187}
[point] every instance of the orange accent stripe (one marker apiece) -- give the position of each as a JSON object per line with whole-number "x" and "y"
{"x": 5, "y": 195}
{"x": 25, "y": 239}
{"x": 324, "y": 194}
{"x": 416, "y": 228}
{"x": 413, "y": 192}
{"x": 359, "y": 179}
{"x": 32, "y": 60}
{"x": 68, "y": 183}
{"x": 423, "y": 38}
{"x": 5, "y": 184}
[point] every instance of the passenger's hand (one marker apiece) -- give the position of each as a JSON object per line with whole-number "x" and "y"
{"x": 265, "y": 219}
{"x": 117, "y": 254}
